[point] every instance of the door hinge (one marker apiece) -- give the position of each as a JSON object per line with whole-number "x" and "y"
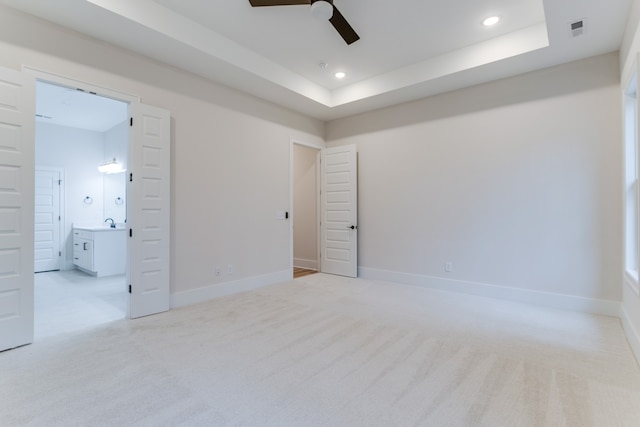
{"x": 131, "y": 232}
{"x": 59, "y": 253}
{"x": 131, "y": 122}
{"x": 131, "y": 177}
{"x": 59, "y": 218}
{"x": 129, "y": 288}
{"x": 59, "y": 182}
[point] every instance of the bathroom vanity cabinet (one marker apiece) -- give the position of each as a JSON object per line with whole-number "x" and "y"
{"x": 100, "y": 251}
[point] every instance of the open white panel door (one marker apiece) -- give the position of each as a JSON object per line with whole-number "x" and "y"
{"x": 17, "y": 136}
{"x": 339, "y": 212}
{"x": 47, "y": 220}
{"x": 148, "y": 197}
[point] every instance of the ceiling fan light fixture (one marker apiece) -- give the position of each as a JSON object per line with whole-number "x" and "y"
{"x": 321, "y": 9}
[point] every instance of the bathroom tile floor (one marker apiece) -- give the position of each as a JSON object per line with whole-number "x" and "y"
{"x": 69, "y": 301}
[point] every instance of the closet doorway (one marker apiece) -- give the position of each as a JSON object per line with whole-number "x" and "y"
{"x": 305, "y": 208}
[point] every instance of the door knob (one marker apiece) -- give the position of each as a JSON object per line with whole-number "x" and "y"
{"x": 352, "y": 227}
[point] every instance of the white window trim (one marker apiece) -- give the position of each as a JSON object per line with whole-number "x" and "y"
{"x": 631, "y": 271}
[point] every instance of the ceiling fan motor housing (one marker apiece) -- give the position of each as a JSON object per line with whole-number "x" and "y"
{"x": 322, "y": 9}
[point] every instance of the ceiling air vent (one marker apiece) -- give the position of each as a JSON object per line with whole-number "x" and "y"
{"x": 577, "y": 28}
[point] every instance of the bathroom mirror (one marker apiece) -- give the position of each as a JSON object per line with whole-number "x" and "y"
{"x": 115, "y": 197}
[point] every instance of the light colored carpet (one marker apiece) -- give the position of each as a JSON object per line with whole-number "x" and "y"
{"x": 329, "y": 351}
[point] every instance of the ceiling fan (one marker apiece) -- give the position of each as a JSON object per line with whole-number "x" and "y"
{"x": 321, "y": 9}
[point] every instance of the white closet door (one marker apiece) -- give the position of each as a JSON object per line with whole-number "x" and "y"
{"x": 17, "y": 121}
{"x": 148, "y": 206}
{"x": 47, "y": 220}
{"x": 339, "y": 200}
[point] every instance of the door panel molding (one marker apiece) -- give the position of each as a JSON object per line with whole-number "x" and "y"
{"x": 148, "y": 210}
{"x": 49, "y": 204}
{"x": 339, "y": 211}
{"x": 17, "y": 172}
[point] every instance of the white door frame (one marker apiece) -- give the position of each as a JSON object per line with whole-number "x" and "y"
{"x": 41, "y": 75}
{"x": 319, "y": 147}
{"x": 59, "y": 80}
{"x": 61, "y": 246}
{"x": 155, "y": 119}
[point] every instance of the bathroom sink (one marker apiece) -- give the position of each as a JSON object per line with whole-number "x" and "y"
{"x": 98, "y": 228}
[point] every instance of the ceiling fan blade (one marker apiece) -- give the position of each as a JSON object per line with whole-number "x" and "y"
{"x": 257, "y": 3}
{"x": 343, "y": 27}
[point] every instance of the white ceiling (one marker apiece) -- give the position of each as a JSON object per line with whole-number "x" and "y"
{"x": 65, "y": 106}
{"x": 408, "y": 48}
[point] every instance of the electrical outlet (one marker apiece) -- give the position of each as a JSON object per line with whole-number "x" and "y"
{"x": 218, "y": 271}
{"x": 230, "y": 269}
{"x": 448, "y": 266}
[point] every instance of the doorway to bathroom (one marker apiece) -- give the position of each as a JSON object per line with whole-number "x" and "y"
{"x": 148, "y": 203}
{"x": 76, "y": 132}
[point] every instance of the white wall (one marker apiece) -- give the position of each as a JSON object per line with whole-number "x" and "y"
{"x": 305, "y": 207}
{"x": 78, "y": 152}
{"x": 115, "y": 185}
{"x": 628, "y": 60}
{"x": 230, "y": 154}
{"x": 516, "y": 182}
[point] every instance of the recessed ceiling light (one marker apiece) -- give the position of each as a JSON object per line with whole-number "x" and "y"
{"x": 340, "y": 75}
{"x": 492, "y": 20}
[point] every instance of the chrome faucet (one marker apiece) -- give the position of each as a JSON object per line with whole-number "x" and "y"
{"x": 113, "y": 223}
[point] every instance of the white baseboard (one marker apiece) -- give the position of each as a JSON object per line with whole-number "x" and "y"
{"x": 195, "y": 296}
{"x": 309, "y": 264}
{"x": 633, "y": 337}
{"x": 545, "y": 299}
